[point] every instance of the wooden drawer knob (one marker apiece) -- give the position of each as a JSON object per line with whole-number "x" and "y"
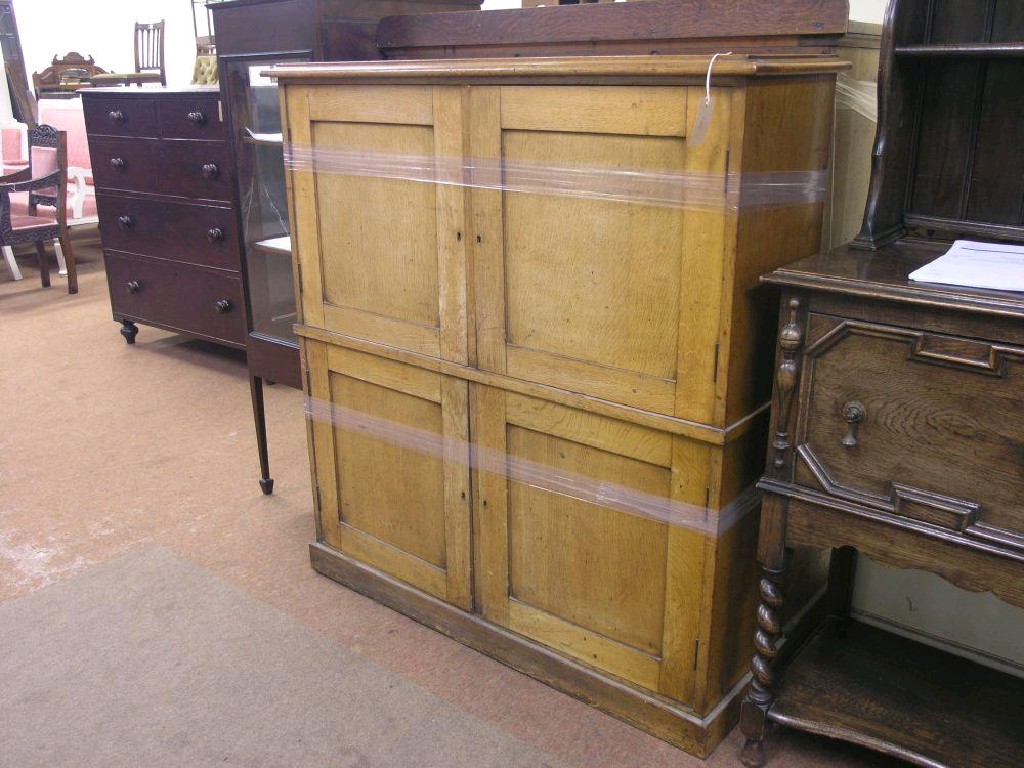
{"x": 854, "y": 413}
{"x": 210, "y": 171}
{"x": 223, "y": 306}
{"x": 125, "y": 222}
{"x": 133, "y": 286}
{"x": 116, "y": 116}
{"x": 196, "y": 118}
{"x": 215, "y": 235}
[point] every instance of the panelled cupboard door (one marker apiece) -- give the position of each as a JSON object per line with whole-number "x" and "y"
{"x": 391, "y": 454}
{"x": 599, "y": 264}
{"x": 384, "y": 242}
{"x": 576, "y": 544}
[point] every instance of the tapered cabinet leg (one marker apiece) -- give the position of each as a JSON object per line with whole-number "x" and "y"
{"x": 760, "y": 696}
{"x": 129, "y": 330}
{"x": 259, "y": 416}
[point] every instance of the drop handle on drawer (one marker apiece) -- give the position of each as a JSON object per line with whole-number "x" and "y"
{"x": 125, "y": 222}
{"x": 133, "y": 286}
{"x": 223, "y": 306}
{"x": 197, "y": 118}
{"x": 215, "y": 235}
{"x": 210, "y": 171}
{"x": 117, "y": 163}
{"x": 854, "y": 413}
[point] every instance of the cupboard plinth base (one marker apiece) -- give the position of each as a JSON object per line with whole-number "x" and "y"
{"x": 655, "y": 715}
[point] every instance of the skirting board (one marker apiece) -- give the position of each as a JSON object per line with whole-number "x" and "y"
{"x": 648, "y": 712}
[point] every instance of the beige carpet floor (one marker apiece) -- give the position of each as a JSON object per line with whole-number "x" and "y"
{"x": 140, "y": 565}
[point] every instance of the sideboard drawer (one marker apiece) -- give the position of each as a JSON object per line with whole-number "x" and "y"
{"x": 177, "y": 296}
{"x": 191, "y": 116}
{"x": 119, "y": 116}
{"x": 880, "y": 406}
{"x": 198, "y": 234}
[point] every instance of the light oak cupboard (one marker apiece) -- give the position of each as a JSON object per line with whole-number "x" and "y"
{"x": 537, "y": 411}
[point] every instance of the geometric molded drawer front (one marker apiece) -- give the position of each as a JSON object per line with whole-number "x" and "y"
{"x": 177, "y": 296}
{"x": 187, "y": 232}
{"x": 883, "y": 404}
{"x": 116, "y": 116}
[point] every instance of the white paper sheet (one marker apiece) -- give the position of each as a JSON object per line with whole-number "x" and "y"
{"x": 976, "y": 265}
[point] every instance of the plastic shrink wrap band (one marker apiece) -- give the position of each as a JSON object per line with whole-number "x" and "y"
{"x": 708, "y": 190}
{"x": 531, "y": 473}
{"x": 861, "y": 96}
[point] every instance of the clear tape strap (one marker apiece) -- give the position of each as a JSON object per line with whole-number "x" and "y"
{"x": 691, "y": 189}
{"x": 861, "y": 96}
{"x": 536, "y": 475}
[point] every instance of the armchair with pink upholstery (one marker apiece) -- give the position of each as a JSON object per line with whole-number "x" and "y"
{"x": 33, "y": 206}
{"x": 67, "y": 115}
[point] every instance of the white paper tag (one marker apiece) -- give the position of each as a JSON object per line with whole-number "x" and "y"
{"x": 703, "y": 121}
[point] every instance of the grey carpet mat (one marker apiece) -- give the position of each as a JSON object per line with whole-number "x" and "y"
{"x": 152, "y": 661}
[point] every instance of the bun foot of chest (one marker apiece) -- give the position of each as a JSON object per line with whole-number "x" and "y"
{"x": 129, "y": 330}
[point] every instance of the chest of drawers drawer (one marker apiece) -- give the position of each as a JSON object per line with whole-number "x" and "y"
{"x": 120, "y": 116}
{"x": 189, "y": 232}
{"x": 195, "y": 169}
{"x": 191, "y": 116}
{"x": 186, "y": 115}
{"x": 177, "y": 296}
{"x": 926, "y": 427}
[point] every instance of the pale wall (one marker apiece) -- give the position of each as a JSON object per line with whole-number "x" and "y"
{"x": 104, "y": 30}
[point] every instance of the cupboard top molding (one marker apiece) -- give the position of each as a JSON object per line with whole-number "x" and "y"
{"x": 643, "y": 67}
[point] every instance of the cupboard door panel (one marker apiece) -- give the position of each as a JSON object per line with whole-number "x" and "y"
{"x": 606, "y": 257}
{"x": 390, "y": 240}
{"x": 579, "y": 541}
{"x": 393, "y": 446}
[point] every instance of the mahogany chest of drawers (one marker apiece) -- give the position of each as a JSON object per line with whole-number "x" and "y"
{"x": 166, "y": 198}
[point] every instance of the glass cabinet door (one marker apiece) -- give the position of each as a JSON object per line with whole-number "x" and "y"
{"x": 256, "y": 121}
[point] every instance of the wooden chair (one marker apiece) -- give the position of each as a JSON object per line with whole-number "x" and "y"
{"x": 149, "y": 54}
{"x": 33, "y": 205}
{"x": 65, "y": 75}
{"x": 149, "y": 59}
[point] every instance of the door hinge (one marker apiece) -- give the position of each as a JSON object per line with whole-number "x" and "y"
{"x": 309, "y": 385}
{"x": 319, "y": 500}
{"x": 714, "y": 370}
{"x": 696, "y": 654}
{"x": 725, "y": 183}
{"x": 298, "y": 269}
